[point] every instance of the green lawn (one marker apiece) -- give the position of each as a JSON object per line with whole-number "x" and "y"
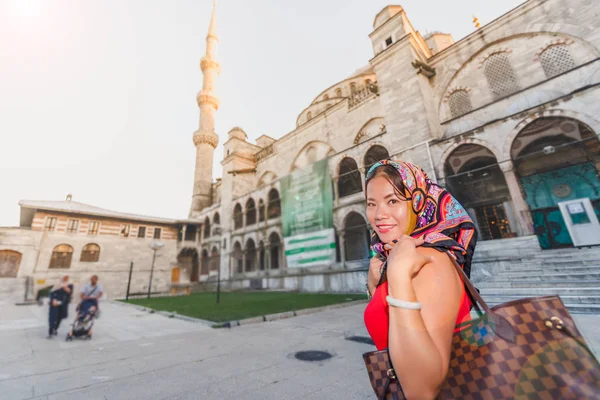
{"x": 240, "y": 305}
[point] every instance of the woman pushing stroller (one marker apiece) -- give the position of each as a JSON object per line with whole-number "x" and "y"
{"x": 87, "y": 310}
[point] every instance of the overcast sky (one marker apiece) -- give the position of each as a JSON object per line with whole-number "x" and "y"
{"x": 98, "y": 97}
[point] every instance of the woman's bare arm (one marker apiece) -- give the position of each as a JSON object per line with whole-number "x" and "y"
{"x": 419, "y": 341}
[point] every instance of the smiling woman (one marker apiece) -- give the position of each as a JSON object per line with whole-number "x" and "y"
{"x": 417, "y": 295}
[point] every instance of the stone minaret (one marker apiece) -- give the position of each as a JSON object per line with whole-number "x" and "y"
{"x": 205, "y": 138}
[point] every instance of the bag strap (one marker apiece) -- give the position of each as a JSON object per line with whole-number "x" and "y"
{"x": 471, "y": 291}
{"x": 92, "y": 292}
{"x": 501, "y": 326}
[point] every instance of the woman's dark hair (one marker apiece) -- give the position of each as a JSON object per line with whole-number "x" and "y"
{"x": 393, "y": 176}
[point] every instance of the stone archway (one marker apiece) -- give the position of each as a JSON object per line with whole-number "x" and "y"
{"x": 356, "y": 237}
{"x": 189, "y": 261}
{"x": 474, "y": 178}
{"x": 250, "y": 264}
{"x": 556, "y": 159}
{"x": 274, "y": 250}
{"x": 9, "y": 263}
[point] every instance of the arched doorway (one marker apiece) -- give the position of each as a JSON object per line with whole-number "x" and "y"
{"x": 475, "y": 179}
{"x": 356, "y": 236}
{"x": 188, "y": 260}
{"x": 556, "y": 159}
{"x": 262, "y": 262}
{"x": 9, "y": 263}
{"x": 274, "y": 245}
{"x": 250, "y": 255}
{"x": 237, "y": 258}
{"x": 204, "y": 265}
{"x": 374, "y": 154}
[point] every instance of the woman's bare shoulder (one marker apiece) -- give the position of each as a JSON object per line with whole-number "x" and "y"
{"x": 440, "y": 268}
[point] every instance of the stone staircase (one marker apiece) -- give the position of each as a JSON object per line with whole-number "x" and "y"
{"x": 574, "y": 274}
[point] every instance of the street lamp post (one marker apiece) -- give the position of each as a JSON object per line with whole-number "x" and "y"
{"x": 155, "y": 245}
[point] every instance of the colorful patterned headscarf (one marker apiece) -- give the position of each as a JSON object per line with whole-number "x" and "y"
{"x": 437, "y": 217}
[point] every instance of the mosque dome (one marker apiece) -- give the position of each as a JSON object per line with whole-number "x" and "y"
{"x": 237, "y": 132}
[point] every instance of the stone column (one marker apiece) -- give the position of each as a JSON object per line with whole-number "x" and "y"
{"x": 342, "y": 237}
{"x": 523, "y": 215}
{"x": 183, "y": 233}
{"x": 336, "y": 192}
{"x": 244, "y": 255}
{"x": 198, "y": 233}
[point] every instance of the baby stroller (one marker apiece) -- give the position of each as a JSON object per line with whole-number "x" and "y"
{"x": 84, "y": 321}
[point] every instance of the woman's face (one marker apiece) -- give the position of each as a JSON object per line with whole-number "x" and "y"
{"x": 387, "y": 213}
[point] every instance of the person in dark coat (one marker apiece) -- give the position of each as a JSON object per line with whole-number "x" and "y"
{"x": 59, "y": 300}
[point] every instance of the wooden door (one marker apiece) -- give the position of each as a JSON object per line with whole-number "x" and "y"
{"x": 175, "y": 274}
{"x": 9, "y": 263}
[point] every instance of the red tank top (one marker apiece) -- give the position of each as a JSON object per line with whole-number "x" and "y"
{"x": 377, "y": 315}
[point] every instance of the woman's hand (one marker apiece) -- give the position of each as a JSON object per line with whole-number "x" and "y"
{"x": 404, "y": 260}
{"x": 375, "y": 266}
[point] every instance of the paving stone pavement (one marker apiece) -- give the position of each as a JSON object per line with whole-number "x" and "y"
{"x": 137, "y": 355}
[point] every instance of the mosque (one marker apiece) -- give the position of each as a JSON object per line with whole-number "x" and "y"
{"x": 507, "y": 119}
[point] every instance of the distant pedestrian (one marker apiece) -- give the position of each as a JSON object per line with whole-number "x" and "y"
{"x": 59, "y": 299}
{"x": 93, "y": 290}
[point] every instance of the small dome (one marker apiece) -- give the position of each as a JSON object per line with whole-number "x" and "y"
{"x": 238, "y": 133}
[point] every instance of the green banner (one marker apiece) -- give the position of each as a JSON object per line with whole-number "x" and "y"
{"x": 307, "y": 205}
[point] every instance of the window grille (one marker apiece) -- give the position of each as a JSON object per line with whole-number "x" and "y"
{"x": 61, "y": 256}
{"x": 460, "y": 103}
{"x": 556, "y": 60}
{"x": 50, "y": 223}
{"x": 90, "y": 253}
{"x": 72, "y": 226}
{"x": 500, "y": 75}
{"x": 94, "y": 226}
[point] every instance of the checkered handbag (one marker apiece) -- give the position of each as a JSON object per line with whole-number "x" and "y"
{"x": 524, "y": 349}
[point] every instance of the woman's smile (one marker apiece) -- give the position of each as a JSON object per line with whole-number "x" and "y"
{"x": 385, "y": 228}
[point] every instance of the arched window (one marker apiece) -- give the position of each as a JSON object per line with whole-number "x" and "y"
{"x": 250, "y": 256}
{"x": 338, "y": 92}
{"x": 349, "y": 180}
{"x": 204, "y": 263}
{"x": 238, "y": 217}
{"x": 326, "y": 97}
{"x": 261, "y": 210}
{"x": 90, "y": 253}
{"x": 352, "y": 88}
{"x": 206, "y": 227}
{"x": 308, "y": 116}
{"x": 61, "y": 256}
{"x": 368, "y": 83}
{"x": 274, "y": 245}
{"x": 556, "y": 60}
{"x": 9, "y": 263}
{"x": 250, "y": 212}
{"x": 500, "y": 75}
{"x": 274, "y": 206}
{"x": 238, "y": 258}
{"x": 217, "y": 219}
{"x": 374, "y": 154}
{"x": 356, "y": 237}
{"x": 215, "y": 259}
{"x": 460, "y": 103}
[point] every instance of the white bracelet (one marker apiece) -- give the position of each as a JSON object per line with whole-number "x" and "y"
{"x": 410, "y": 305}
